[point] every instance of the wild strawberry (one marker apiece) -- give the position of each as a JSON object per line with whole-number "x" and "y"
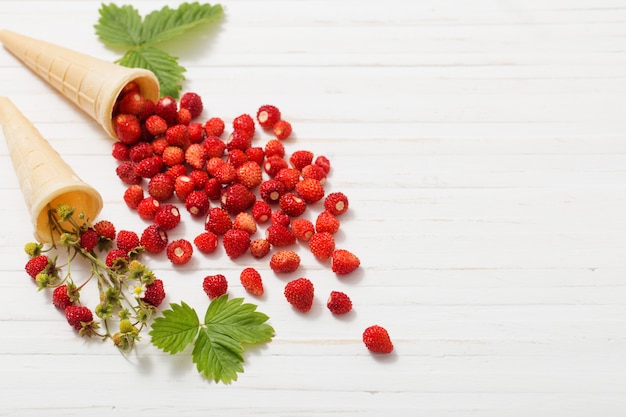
{"x": 133, "y": 196}
{"x": 127, "y": 240}
{"x": 336, "y": 203}
{"x": 148, "y": 110}
{"x": 314, "y": 172}
{"x": 197, "y": 203}
{"x": 343, "y": 262}
{"x": 168, "y": 217}
{"x": 131, "y": 87}
{"x": 183, "y": 186}
{"x": 199, "y": 178}
{"x": 105, "y": 229}
{"x": 259, "y": 248}
{"x": 292, "y": 205}
{"x": 156, "y": 125}
{"x": 192, "y": 102}
{"x": 339, "y": 303}
{"x": 167, "y": 108}
{"x": 178, "y": 135}
{"x": 251, "y": 281}
{"x": 302, "y": 228}
{"x": 237, "y": 198}
{"x": 377, "y": 340}
{"x": 213, "y": 188}
{"x": 215, "y": 285}
{"x": 237, "y": 157}
{"x": 173, "y": 155}
{"x": 244, "y": 221}
{"x": 244, "y": 123}
{"x": 214, "y": 146}
{"x": 218, "y": 221}
{"x": 267, "y": 116}
{"x": 196, "y": 156}
{"x": 327, "y": 222}
{"x": 322, "y": 245}
{"x": 149, "y": 167}
{"x": 300, "y": 293}
{"x": 176, "y": 171}
{"x": 300, "y": 159}
{"x": 126, "y": 172}
{"x": 289, "y": 177}
{"x": 250, "y": 174}
{"x": 89, "y": 239}
{"x": 127, "y": 128}
{"x": 116, "y": 258}
{"x": 148, "y": 208}
{"x": 214, "y": 127}
{"x": 279, "y": 235}
{"x": 274, "y": 147}
{"x": 159, "y": 144}
{"x": 236, "y": 242}
{"x": 37, "y": 265}
{"x": 183, "y": 117}
{"x": 179, "y": 251}
{"x": 256, "y": 154}
{"x": 273, "y": 164}
{"x": 206, "y": 242}
{"x": 78, "y": 316}
{"x": 271, "y": 190}
{"x": 60, "y": 297}
{"x": 285, "y": 261}
{"x": 311, "y": 190}
{"x": 196, "y": 132}
{"x": 280, "y": 217}
{"x": 239, "y": 139}
{"x": 261, "y": 211}
{"x": 154, "y": 239}
{"x": 323, "y": 162}
{"x": 120, "y": 151}
{"x": 140, "y": 151}
{"x": 155, "y": 294}
{"x": 225, "y": 173}
{"x": 212, "y": 164}
{"x": 132, "y": 103}
{"x": 282, "y": 129}
{"x": 161, "y": 187}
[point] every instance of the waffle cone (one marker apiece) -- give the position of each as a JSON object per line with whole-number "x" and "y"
{"x": 45, "y": 179}
{"x": 92, "y": 84}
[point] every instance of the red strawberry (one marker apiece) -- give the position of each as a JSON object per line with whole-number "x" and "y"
{"x": 105, "y": 229}
{"x": 236, "y": 242}
{"x": 176, "y": 171}
{"x": 245, "y": 222}
{"x": 155, "y": 293}
{"x": 148, "y": 208}
{"x": 285, "y": 261}
{"x": 302, "y": 228}
{"x": 183, "y": 185}
{"x": 154, "y": 239}
{"x": 199, "y": 178}
{"x": 213, "y": 188}
{"x": 197, "y": 203}
{"x": 261, "y": 211}
{"x": 214, "y": 127}
{"x": 280, "y": 217}
{"x": 267, "y": 116}
{"x": 311, "y": 190}
{"x": 250, "y": 174}
{"x": 127, "y": 240}
{"x": 300, "y": 159}
{"x": 126, "y": 172}
{"x": 127, "y": 128}
{"x": 343, "y": 262}
{"x": 116, "y": 258}
{"x": 299, "y": 293}
{"x": 377, "y": 340}
{"x": 173, "y": 155}
{"x": 239, "y": 139}
{"x": 132, "y": 103}
{"x": 289, "y": 177}
{"x": 273, "y": 164}
{"x": 192, "y": 102}
{"x": 120, "y": 151}
{"x": 140, "y": 151}
{"x": 282, "y": 129}
{"x": 183, "y": 117}
{"x": 60, "y": 297}
{"x": 327, "y": 222}
{"x": 149, "y": 167}
{"x": 225, "y": 173}
{"x": 244, "y": 123}
{"x": 161, "y": 186}
{"x": 336, "y": 203}
{"x": 279, "y": 235}
{"x": 213, "y": 146}
{"x": 314, "y": 172}
{"x": 133, "y": 196}
{"x": 339, "y": 302}
{"x": 168, "y": 217}
{"x": 178, "y": 135}
{"x": 196, "y": 156}
{"x": 237, "y": 198}
{"x": 218, "y": 221}
{"x": 78, "y": 316}
{"x": 256, "y": 154}
{"x": 323, "y": 162}
{"x": 179, "y": 251}
{"x": 196, "y": 132}
{"x": 259, "y": 248}
{"x": 206, "y": 242}
{"x": 322, "y": 245}
{"x": 271, "y": 190}
{"x": 156, "y": 125}
{"x": 237, "y": 157}
{"x": 292, "y": 205}
{"x": 215, "y": 285}
{"x": 37, "y": 265}
{"x": 251, "y": 281}
{"x": 89, "y": 239}
{"x": 167, "y": 108}
{"x": 274, "y": 147}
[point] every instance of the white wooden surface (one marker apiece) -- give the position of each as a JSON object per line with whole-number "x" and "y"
{"x": 483, "y": 148}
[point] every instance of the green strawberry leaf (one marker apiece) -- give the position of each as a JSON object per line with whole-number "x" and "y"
{"x": 119, "y": 26}
{"x": 162, "y": 64}
{"x": 176, "y": 329}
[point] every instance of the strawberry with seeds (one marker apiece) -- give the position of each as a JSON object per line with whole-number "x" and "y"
{"x": 179, "y": 252}
{"x": 300, "y": 293}
{"x": 251, "y": 281}
{"x": 377, "y": 340}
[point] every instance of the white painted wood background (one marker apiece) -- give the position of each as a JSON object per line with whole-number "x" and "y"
{"x": 483, "y": 148}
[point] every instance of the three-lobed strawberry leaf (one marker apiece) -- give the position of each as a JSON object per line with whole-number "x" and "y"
{"x": 229, "y": 325}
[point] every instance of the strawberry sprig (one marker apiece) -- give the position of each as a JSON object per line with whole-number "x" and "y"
{"x": 129, "y": 292}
